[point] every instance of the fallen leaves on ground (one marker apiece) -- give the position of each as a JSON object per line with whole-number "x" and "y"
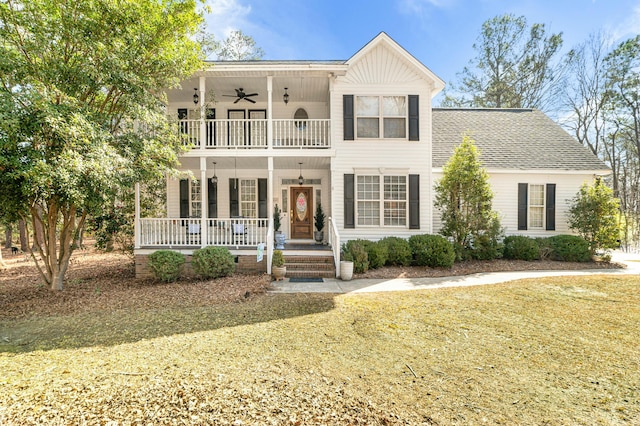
{"x": 551, "y": 351}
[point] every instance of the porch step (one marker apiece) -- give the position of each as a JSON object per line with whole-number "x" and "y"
{"x": 310, "y": 267}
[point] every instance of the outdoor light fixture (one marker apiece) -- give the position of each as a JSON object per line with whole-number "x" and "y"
{"x": 285, "y": 97}
{"x": 214, "y": 179}
{"x": 300, "y": 178}
{"x": 196, "y": 97}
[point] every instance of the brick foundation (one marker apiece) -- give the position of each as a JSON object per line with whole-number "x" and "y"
{"x": 245, "y": 264}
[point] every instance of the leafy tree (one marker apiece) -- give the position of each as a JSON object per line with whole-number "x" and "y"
{"x": 81, "y": 115}
{"x": 513, "y": 68}
{"x": 593, "y": 214}
{"x": 464, "y": 198}
{"x": 239, "y": 47}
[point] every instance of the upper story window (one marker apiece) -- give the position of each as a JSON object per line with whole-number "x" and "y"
{"x": 381, "y": 115}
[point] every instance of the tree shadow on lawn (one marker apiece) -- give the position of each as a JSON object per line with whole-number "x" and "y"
{"x": 109, "y": 328}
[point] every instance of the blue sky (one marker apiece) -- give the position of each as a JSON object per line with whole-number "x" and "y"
{"x": 439, "y": 33}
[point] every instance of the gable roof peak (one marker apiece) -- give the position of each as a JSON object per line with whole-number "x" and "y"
{"x": 384, "y": 39}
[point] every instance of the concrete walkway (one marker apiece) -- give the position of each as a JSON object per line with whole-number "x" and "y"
{"x": 333, "y": 285}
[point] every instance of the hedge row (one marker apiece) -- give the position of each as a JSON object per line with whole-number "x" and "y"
{"x": 207, "y": 263}
{"x": 435, "y": 251}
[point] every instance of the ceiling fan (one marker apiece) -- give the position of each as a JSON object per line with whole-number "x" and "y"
{"x": 241, "y": 95}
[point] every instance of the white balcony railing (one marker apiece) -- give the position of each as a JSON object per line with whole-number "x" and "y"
{"x": 252, "y": 133}
{"x": 179, "y": 232}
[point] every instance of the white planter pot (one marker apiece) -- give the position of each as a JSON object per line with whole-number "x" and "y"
{"x": 279, "y": 238}
{"x": 346, "y": 270}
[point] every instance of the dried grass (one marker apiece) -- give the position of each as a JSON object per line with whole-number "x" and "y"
{"x": 545, "y": 351}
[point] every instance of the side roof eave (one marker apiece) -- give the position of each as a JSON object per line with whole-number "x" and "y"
{"x": 438, "y": 83}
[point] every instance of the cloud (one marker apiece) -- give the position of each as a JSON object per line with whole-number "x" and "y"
{"x": 630, "y": 26}
{"x": 226, "y": 16}
{"x": 420, "y": 6}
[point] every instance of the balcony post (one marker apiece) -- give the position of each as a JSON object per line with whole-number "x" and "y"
{"x": 270, "y": 213}
{"x": 136, "y": 225}
{"x": 203, "y": 113}
{"x": 269, "y": 114}
{"x": 204, "y": 193}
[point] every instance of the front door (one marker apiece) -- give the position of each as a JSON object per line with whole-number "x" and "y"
{"x": 301, "y": 214}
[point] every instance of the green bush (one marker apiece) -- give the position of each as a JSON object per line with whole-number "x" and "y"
{"x": 377, "y": 253}
{"x": 355, "y": 251}
{"x": 569, "y": 248}
{"x": 166, "y": 265}
{"x": 521, "y": 248}
{"x": 212, "y": 262}
{"x": 544, "y": 247}
{"x": 398, "y": 251}
{"x": 432, "y": 250}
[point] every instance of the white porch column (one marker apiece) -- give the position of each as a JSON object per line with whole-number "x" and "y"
{"x": 204, "y": 193}
{"x": 271, "y": 236}
{"x": 136, "y": 226}
{"x": 269, "y": 112}
{"x": 203, "y": 113}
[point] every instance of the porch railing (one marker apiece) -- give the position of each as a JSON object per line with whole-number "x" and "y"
{"x": 252, "y": 133}
{"x": 181, "y": 232}
{"x": 301, "y": 134}
{"x": 334, "y": 242}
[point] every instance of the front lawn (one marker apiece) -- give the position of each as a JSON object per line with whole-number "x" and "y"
{"x": 545, "y": 351}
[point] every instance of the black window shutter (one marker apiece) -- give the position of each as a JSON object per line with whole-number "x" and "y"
{"x": 262, "y": 198}
{"x": 234, "y": 207}
{"x": 414, "y": 118}
{"x": 184, "y": 198}
{"x": 523, "y": 205}
{"x": 551, "y": 207}
{"x": 348, "y": 117}
{"x": 212, "y": 198}
{"x": 349, "y": 201}
{"x": 414, "y": 201}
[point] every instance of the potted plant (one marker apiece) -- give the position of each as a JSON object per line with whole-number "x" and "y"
{"x": 277, "y": 265}
{"x": 346, "y": 264}
{"x": 318, "y": 235}
{"x": 279, "y": 235}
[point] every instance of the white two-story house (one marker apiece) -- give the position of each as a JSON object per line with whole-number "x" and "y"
{"x": 361, "y": 138}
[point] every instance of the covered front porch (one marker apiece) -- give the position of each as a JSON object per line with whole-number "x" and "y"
{"x": 229, "y": 201}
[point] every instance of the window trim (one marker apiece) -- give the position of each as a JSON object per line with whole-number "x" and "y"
{"x": 381, "y": 201}
{"x": 241, "y": 202}
{"x": 381, "y": 117}
{"x": 531, "y": 206}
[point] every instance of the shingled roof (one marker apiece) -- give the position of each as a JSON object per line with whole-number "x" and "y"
{"x": 523, "y": 139}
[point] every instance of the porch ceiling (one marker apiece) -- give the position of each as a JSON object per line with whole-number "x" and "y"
{"x": 300, "y": 89}
{"x": 242, "y": 163}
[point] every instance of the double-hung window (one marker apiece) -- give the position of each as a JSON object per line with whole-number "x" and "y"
{"x": 536, "y": 206}
{"x": 196, "y": 198}
{"x": 381, "y": 115}
{"x": 386, "y": 194}
{"x": 248, "y": 198}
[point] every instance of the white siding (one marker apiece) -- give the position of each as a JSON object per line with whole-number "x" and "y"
{"x": 381, "y": 72}
{"x": 505, "y": 199}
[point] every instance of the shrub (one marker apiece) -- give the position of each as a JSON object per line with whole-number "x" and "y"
{"x": 432, "y": 250}
{"x": 166, "y": 265}
{"x": 398, "y": 251}
{"x": 376, "y": 252}
{"x": 212, "y": 262}
{"x": 521, "y": 248}
{"x": 544, "y": 247}
{"x": 569, "y": 248}
{"x": 355, "y": 251}
{"x": 278, "y": 259}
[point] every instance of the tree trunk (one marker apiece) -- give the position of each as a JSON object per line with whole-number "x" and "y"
{"x": 3, "y": 265}
{"x": 8, "y": 235}
{"x": 38, "y": 230}
{"x": 55, "y": 258}
{"x": 24, "y": 236}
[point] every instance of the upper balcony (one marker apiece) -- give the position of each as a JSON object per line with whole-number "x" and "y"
{"x": 254, "y": 133}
